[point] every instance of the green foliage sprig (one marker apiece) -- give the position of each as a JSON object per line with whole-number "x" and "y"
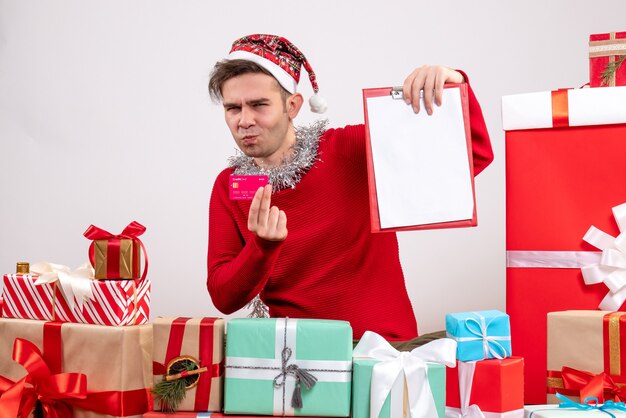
{"x": 610, "y": 70}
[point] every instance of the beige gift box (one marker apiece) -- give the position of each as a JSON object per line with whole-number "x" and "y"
{"x": 113, "y": 358}
{"x": 588, "y": 341}
{"x": 193, "y": 338}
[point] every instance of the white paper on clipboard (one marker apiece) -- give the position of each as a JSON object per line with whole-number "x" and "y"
{"x": 421, "y": 163}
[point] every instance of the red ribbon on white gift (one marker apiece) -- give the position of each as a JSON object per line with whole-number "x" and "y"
{"x": 412, "y": 365}
{"x": 611, "y": 268}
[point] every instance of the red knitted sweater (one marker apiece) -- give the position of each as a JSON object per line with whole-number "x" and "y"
{"x": 330, "y": 265}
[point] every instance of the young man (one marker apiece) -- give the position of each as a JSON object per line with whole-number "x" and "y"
{"x": 304, "y": 242}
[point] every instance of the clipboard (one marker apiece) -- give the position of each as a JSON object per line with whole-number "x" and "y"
{"x": 420, "y": 167}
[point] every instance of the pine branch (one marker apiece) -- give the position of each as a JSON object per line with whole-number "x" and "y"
{"x": 610, "y": 70}
{"x": 170, "y": 393}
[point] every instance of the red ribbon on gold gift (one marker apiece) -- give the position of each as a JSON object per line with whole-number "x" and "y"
{"x": 132, "y": 231}
{"x": 205, "y": 354}
{"x": 607, "y": 385}
{"x": 58, "y": 392}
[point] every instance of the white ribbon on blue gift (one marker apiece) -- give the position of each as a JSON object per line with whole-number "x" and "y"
{"x": 589, "y": 404}
{"x": 611, "y": 268}
{"x": 491, "y": 347}
{"x": 267, "y": 369}
{"x": 410, "y": 366}
{"x": 76, "y": 285}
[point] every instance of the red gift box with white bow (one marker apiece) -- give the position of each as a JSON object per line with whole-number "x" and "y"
{"x": 565, "y": 172}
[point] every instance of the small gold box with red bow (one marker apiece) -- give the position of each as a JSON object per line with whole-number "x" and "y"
{"x": 117, "y": 256}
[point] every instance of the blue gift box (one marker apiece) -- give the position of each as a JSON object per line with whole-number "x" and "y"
{"x": 480, "y": 335}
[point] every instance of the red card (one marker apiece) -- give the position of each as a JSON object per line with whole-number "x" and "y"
{"x": 242, "y": 187}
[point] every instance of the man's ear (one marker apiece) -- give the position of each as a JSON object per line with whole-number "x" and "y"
{"x": 294, "y": 104}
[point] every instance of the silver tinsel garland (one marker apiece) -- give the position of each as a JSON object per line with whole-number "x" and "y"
{"x": 289, "y": 173}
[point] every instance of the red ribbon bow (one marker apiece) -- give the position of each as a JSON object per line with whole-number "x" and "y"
{"x": 132, "y": 231}
{"x": 601, "y": 386}
{"x": 54, "y": 391}
{"x": 59, "y": 392}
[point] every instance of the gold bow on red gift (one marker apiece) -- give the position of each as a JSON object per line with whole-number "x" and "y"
{"x": 601, "y": 385}
{"x": 54, "y": 391}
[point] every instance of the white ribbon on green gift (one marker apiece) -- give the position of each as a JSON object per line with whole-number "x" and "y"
{"x": 411, "y": 366}
{"x": 75, "y": 284}
{"x": 272, "y": 369}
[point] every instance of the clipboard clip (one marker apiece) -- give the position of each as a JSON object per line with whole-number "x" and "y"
{"x": 396, "y": 93}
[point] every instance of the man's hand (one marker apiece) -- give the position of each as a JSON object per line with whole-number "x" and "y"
{"x": 266, "y": 222}
{"x": 431, "y": 79}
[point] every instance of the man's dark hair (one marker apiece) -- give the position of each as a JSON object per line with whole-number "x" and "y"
{"x": 226, "y": 69}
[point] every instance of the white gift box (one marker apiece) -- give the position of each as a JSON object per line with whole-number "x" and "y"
{"x": 588, "y": 106}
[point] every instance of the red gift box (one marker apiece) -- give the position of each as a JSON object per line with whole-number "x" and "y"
{"x": 115, "y": 302}
{"x": 497, "y": 387}
{"x": 604, "y": 49}
{"x": 559, "y": 182}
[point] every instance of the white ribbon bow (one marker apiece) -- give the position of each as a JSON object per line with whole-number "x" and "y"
{"x": 480, "y": 329}
{"x": 411, "y": 364}
{"x": 611, "y": 270}
{"x": 75, "y": 284}
{"x": 466, "y": 377}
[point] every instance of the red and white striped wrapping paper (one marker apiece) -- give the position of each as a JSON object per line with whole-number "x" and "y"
{"x": 115, "y": 302}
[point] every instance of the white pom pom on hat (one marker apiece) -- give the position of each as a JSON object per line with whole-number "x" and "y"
{"x": 282, "y": 59}
{"x": 318, "y": 104}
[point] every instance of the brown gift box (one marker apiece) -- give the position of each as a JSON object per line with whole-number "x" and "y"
{"x": 203, "y": 340}
{"x": 113, "y": 358}
{"x": 588, "y": 341}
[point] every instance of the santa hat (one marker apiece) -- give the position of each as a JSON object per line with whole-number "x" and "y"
{"x": 282, "y": 59}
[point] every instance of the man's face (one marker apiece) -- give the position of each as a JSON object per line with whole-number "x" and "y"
{"x": 258, "y": 117}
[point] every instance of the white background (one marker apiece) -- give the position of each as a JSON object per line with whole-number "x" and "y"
{"x": 105, "y": 118}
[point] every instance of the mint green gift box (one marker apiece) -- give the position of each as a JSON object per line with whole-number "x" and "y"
{"x": 361, "y": 383}
{"x": 264, "y": 356}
